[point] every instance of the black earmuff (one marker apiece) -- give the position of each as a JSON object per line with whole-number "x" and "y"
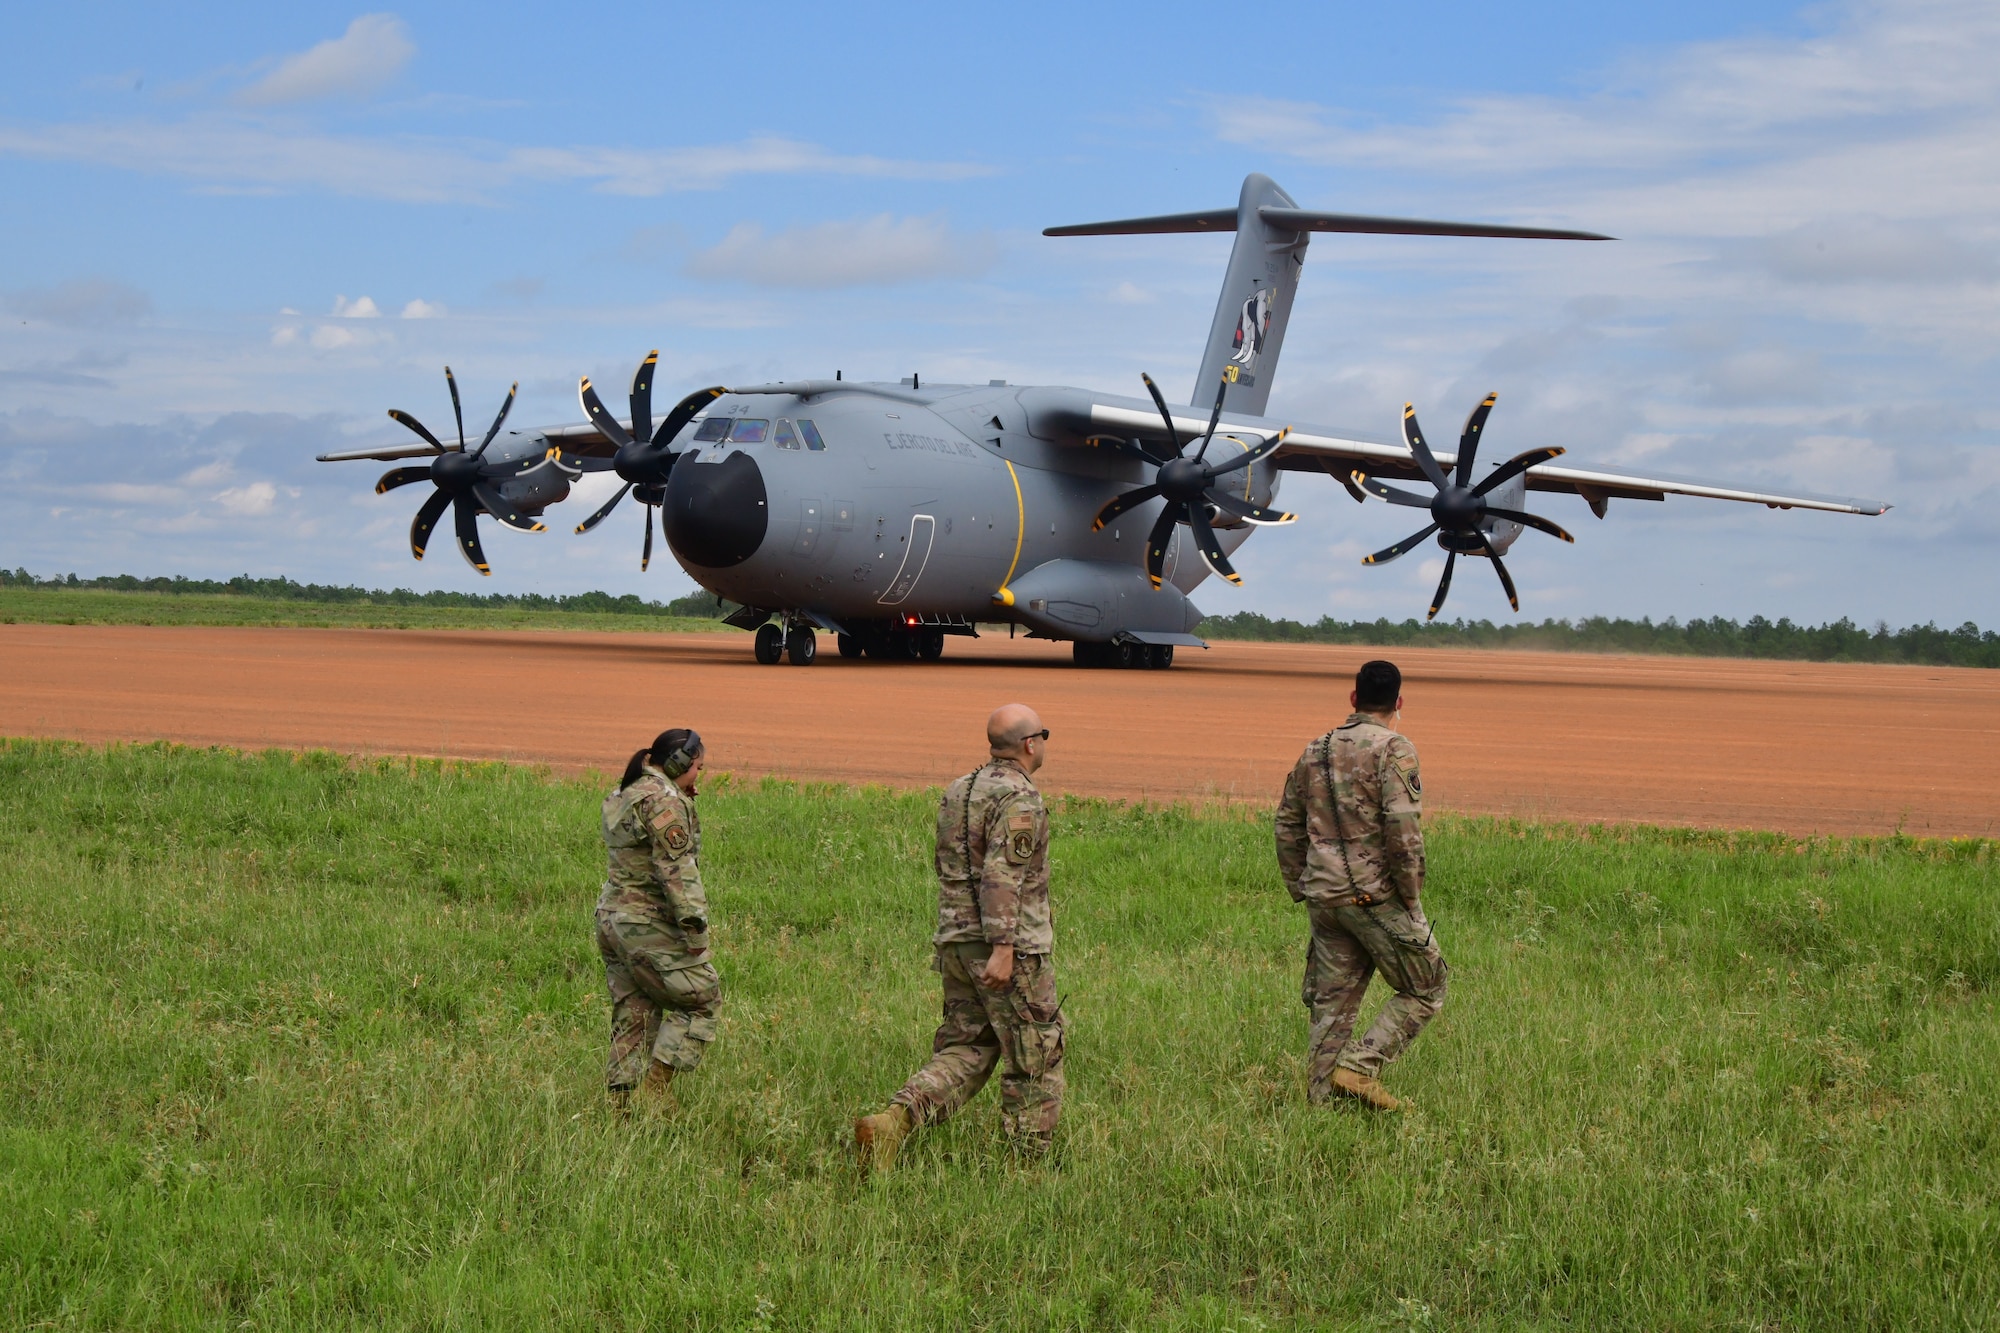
{"x": 682, "y": 759}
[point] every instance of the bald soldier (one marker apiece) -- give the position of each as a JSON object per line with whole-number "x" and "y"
{"x": 993, "y": 946}
{"x": 1351, "y": 848}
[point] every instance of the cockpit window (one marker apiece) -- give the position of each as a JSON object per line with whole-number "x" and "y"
{"x": 784, "y": 437}
{"x": 711, "y": 430}
{"x": 749, "y": 430}
{"x": 811, "y": 432}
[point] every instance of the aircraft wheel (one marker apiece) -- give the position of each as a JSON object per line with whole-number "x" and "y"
{"x": 1159, "y": 656}
{"x": 802, "y": 646}
{"x": 770, "y": 644}
{"x": 1126, "y": 655}
{"x": 930, "y": 644}
{"x": 850, "y": 647}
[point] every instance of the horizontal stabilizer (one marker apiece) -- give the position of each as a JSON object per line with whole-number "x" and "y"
{"x": 1306, "y": 219}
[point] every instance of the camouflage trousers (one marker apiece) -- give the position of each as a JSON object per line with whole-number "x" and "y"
{"x": 1016, "y": 1028}
{"x": 663, "y": 1002}
{"x": 1349, "y": 945}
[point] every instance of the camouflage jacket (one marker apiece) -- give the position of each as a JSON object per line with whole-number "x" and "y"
{"x": 652, "y": 838}
{"x": 993, "y": 861}
{"x": 1350, "y": 825}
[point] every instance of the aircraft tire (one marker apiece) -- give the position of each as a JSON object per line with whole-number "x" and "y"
{"x": 802, "y": 646}
{"x": 850, "y": 647}
{"x": 1126, "y": 655}
{"x": 770, "y": 645}
{"x": 1159, "y": 656}
{"x": 930, "y": 644}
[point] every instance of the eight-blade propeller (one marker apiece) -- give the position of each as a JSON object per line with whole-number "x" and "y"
{"x": 1459, "y": 513}
{"x": 1187, "y": 486}
{"x": 464, "y": 481}
{"x": 643, "y": 458}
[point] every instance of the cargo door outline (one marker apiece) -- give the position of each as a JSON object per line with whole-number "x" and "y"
{"x": 923, "y": 530}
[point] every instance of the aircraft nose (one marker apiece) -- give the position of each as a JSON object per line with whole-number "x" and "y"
{"x": 716, "y": 513}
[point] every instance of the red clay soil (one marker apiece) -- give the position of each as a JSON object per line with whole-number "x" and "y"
{"x": 1797, "y": 747}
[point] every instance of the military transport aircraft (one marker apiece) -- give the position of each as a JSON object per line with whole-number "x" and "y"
{"x": 895, "y": 515}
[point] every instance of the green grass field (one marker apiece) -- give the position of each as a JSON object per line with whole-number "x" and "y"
{"x": 297, "y": 1042}
{"x": 94, "y": 606}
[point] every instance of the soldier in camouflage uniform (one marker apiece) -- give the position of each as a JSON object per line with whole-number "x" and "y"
{"x": 993, "y": 945}
{"x": 1351, "y": 848}
{"x": 652, "y": 922}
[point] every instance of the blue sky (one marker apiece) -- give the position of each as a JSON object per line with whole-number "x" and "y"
{"x": 233, "y": 236}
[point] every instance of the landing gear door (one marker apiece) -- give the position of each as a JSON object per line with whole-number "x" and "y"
{"x": 916, "y": 554}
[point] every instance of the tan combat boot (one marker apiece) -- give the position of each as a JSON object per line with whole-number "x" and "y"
{"x": 658, "y": 1088}
{"x": 1347, "y": 1083}
{"x": 876, "y": 1137}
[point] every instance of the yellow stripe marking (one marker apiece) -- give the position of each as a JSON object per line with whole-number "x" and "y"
{"x": 1020, "y": 533}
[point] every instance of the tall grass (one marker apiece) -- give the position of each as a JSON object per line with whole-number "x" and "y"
{"x": 98, "y": 606}
{"x": 295, "y": 1041}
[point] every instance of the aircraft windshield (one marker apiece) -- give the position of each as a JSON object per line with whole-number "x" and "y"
{"x": 711, "y": 430}
{"x": 784, "y": 437}
{"x": 811, "y": 433}
{"x": 749, "y": 430}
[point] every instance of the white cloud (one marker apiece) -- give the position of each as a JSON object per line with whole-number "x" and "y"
{"x": 875, "y": 251}
{"x": 1128, "y": 293}
{"x": 222, "y": 152}
{"x": 284, "y": 335}
{"x": 256, "y": 498}
{"x": 327, "y": 337}
{"x": 422, "y": 309}
{"x": 362, "y": 307}
{"x": 370, "y": 53}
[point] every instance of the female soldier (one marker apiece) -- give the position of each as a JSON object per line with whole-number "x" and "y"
{"x": 652, "y": 921}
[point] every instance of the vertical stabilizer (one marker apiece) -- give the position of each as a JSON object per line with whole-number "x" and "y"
{"x": 1256, "y": 303}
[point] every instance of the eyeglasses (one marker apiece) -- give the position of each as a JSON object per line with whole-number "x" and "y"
{"x": 1041, "y": 735}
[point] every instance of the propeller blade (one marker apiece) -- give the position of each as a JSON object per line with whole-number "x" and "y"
{"x": 399, "y": 415}
{"x": 1500, "y": 568}
{"x": 646, "y": 552}
{"x": 1514, "y": 467}
{"x": 1159, "y": 539}
{"x": 607, "y": 425}
{"x": 683, "y": 413}
{"x": 1340, "y": 474}
{"x": 1403, "y": 547}
{"x": 642, "y": 398}
{"x": 1527, "y": 520}
{"x": 1210, "y": 548}
{"x": 1468, "y": 440}
{"x": 401, "y": 476}
{"x": 1221, "y": 389}
{"x": 552, "y": 457}
{"x": 1251, "y": 455}
{"x": 506, "y": 406}
{"x": 425, "y": 521}
{"x": 1166, "y": 416}
{"x": 1359, "y": 496}
{"x": 499, "y": 506}
{"x": 1130, "y": 500}
{"x": 1248, "y": 512}
{"x": 467, "y": 519}
{"x": 1444, "y": 584}
{"x": 602, "y": 513}
{"x": 1383, "y": 491}
{"x": 1413, "y": 436}
{"x": 457, "y": 412}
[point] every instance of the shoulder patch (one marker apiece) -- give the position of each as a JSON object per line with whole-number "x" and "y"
{"x": 1023, "y": 820}
{"x": 676, "y": 838}
{"x": 1021, "y": 846}
{"x": 1406, "y": 769}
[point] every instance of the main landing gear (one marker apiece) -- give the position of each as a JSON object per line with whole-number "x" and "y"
{"x": 799, "y": 644}
{"x": 1124, "y": 655}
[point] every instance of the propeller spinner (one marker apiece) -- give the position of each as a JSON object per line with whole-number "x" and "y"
{"x": 1459, "y": 513}
{"x": 463, "y": 481}
{"x": 643, "y": 458}
{"x": 1187, "y": 485}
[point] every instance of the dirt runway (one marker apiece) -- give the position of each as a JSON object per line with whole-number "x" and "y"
{"x": 1798, "y": 747}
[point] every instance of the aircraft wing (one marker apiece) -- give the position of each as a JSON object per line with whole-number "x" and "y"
{"x": 1309, "y": 448}
{"x": 581, "y": 440}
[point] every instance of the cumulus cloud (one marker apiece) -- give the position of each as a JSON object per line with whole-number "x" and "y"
{"x": 362, "y": 307}
{"x": 255, "y": 498}
{"x": 221, "y": 152}
{"x": 372, "y": 51}
{"x": 422, "y": 309}
{"x": 876, "y": 251}
{"x": 81, "y": 302}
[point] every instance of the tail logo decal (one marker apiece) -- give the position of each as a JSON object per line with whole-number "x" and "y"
{"x": 1253, "y": 325}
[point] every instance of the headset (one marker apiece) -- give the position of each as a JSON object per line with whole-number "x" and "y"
{"x": 682, "y": 759}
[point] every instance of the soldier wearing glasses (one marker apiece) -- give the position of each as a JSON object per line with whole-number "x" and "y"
{"x": 994, "y": 942}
